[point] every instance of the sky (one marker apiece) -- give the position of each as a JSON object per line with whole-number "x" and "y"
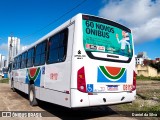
{"x": 27, "y": 19}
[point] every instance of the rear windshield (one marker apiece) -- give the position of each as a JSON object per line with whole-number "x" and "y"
{"x": 101, "y": 35}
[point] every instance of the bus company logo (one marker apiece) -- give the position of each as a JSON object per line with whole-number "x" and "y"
{"x": 34, "y": 74}
{"x": 79, "y": 55}
{"x": 111, "y": 74}
{"x": 92, "y": 47}
{"x": 87, "y": 46}
{"x": 95, "y": 47}
{"x": 79, "y": 52}
{"x": 101, "y": 48}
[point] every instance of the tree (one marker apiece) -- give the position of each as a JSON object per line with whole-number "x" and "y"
{"x": 155, "y": 65}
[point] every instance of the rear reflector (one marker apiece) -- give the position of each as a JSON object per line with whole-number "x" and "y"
{"x": 67, "y": 92}
{"x": 81, "y": 81}
{"x": 90, "y": 93}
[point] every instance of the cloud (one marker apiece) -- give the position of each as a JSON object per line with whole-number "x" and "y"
{"x": 142, "y": 16}
{"x": 4, "y": 47}
{"x": 148, "y": 31}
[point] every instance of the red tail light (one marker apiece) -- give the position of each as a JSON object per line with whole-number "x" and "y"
{"x": 134, "y": 81}
{"x": 81, "y": 81}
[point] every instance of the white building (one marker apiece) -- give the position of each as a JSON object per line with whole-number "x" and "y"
{"x": 23, "y": 48}
{"x": 13, "y": 47}
{"x": 2, "y": 63}
{"x": 139, "y": 61}
{"x": 141, "y": 57}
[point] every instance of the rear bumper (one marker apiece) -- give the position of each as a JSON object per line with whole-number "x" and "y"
{"x": 111, "y": 98}
{"x": 79, "y": 99}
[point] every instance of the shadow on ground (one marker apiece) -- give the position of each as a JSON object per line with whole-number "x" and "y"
{"x": 66, "y": 113}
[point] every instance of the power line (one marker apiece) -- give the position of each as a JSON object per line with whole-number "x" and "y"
{"x": 93, "y": 9}
{"x": 55, "y": 20}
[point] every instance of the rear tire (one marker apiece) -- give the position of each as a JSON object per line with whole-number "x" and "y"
{"x": 32, "y": 95}
{"x": 12, "y": 86}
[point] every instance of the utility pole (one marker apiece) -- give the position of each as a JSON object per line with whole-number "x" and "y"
{"x": 10, "y": 49}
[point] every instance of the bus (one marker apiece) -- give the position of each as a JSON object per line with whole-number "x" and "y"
{"x": 87, "y": 61}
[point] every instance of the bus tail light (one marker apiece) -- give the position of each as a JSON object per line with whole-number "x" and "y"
{"x": 134, "y": 81}
{"x": 81, "y": 81}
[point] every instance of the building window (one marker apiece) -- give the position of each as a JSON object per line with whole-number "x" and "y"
{"x": 57, "y": 49}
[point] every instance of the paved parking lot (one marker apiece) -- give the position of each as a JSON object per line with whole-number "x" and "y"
{"x": 17, "y": 101}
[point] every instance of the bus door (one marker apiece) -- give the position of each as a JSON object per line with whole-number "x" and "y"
{"x": 58, "y": 68}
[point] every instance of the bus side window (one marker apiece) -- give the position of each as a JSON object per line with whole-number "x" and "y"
{"x": 53, "y": 51}
{"x": 57, "y": 49}
{"x": 18, "y": 66}
{"x": 10, "y": 67}
{"x": 15, "y": 63}
{"x": 63, "y": 45}
{"x": 24, "y": 60}
{"x": 30, "y": 57}
{"x": 40, "y": 55}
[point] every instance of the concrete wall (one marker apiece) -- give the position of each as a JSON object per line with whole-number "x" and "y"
{"x": 146, "y": 71}
{"x": 152, "y": 72}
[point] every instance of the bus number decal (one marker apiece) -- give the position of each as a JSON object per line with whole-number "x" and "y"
{"x": 127, "y": 87}
{"x": 53, "y": 76}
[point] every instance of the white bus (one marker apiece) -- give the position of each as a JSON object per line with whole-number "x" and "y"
{"x": 87, "y": 61}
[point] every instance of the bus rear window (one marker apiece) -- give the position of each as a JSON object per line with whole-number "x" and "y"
{"x": 101, "y": 35}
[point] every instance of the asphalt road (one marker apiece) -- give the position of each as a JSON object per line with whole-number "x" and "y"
{"x": 18, "y": 101}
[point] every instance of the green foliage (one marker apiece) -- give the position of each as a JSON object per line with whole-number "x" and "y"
{"x": 135, "y": 106}
{"x": 6, "y": 80}
{"x": 153, "y": 108}
{"x": 155, "y": 65}
{"x": 141, "y": 77}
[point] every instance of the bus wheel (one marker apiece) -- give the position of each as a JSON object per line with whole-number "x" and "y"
{"x": 12, "y": 85}
{"x": 32, "y": 95}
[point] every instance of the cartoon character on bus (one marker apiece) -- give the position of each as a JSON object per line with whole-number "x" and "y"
{"x": 124, "y": 42}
